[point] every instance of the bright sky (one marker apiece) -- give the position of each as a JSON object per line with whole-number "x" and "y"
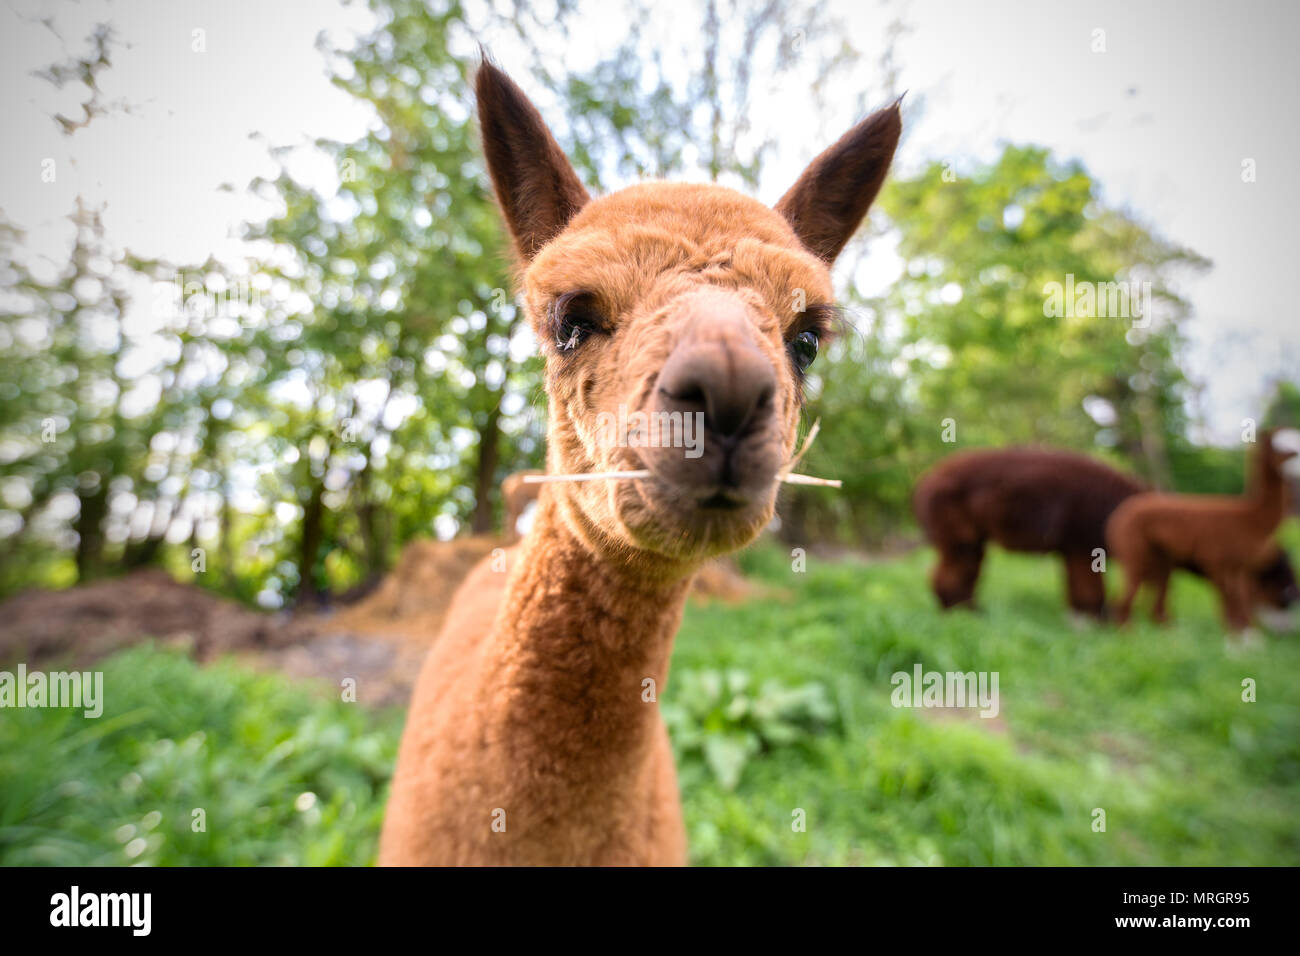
{"x": 1184, "y": 92}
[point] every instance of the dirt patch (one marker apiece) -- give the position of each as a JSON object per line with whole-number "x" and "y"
{"x": 721, "y": 580}
{"x": 966, "y": 715}
{"x": 379, "y": 642}
{"x": 382, "y": 671}
{"x": 412, "y": 599}
{"x": 85, "y": 623}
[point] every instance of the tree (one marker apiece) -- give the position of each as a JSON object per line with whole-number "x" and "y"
{"x": 970, "y": 347}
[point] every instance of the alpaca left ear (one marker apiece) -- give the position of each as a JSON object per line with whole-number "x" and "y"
{"x": 534, "y": 182}
{"x": 830, "y": 199}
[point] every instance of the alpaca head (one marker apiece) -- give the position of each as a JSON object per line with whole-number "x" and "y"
{"x": 677, "y": 322}
{"x": 1275, "y": 448}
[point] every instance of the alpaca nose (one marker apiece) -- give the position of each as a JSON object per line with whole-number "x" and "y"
{"x": 725, "y": 377}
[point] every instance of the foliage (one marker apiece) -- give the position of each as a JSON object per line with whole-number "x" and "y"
{"x": 283, "y": 776}
{"x": 718, "y": 718}
{"x": 365, "y": 378}
{"x": 1148, "y": 724}
{"x": 964, "y": 341}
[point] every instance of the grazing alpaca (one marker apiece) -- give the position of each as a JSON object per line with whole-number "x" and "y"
{"x": 1228, "y": 539}
{"x": 533, "y": 735}
{"x": 517, "y": 496}
{"x": 1038, "y": 500}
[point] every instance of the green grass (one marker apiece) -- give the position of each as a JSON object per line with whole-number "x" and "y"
{"x": 281, "y": 774}
{"x": 777, "y": 706}
{"x": 1148, "y": 725}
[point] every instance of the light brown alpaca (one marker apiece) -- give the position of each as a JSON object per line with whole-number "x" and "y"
{"x": 532, "y": 735}
{"x": 1228, "y": 539}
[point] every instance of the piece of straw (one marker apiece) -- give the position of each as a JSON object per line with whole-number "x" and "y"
{"x": 785, "y": 474}
{"x": 586, "y": 476}
{"x": 787, "y": 477}
{"x": 791, "y": 478}
{"x": 807, "y": 443}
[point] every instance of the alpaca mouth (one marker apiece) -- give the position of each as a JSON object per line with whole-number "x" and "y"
{"x": 724, "y": 500}
{"x": 690, "y": 519}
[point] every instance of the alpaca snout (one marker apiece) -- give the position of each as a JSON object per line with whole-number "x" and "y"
{"x": 720, "y": 381}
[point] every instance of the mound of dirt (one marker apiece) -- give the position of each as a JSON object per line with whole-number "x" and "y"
{"x": 87, "y": 622}
{"x": 721, "y": 580}
{"x": 411, "y": 601}
{"x": 379, "y": 642}
{"x": 383, "y": 669}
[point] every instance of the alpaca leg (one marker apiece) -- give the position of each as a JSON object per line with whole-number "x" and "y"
{"x": 1234, "y": 593}
{"x": 1134, "y": 574}
{"x": 955, "y": 576}
{"x": 1084, "y": 587}
{"x": 1159, "y": 579}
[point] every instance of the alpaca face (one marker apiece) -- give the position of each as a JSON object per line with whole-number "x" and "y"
{"x": 1280, "y": 447}
{"x": 677, "y": 322}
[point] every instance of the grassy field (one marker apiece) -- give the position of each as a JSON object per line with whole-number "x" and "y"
{"x": 790, "y": 750}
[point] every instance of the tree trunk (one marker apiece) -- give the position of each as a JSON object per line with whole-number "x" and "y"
{"x": 312, "y": 532}
{"x": 485, "y": 472}
{"x": 368, "y": 516}
{"x": 90, "y": 531}
{"x": 1152, "y": 441}
{"x": 225, "y": 543}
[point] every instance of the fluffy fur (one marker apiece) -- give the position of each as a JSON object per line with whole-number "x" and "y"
{"x": 533, "y": 736}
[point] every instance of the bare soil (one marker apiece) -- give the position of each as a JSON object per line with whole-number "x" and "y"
{"x": 379, "y": 642}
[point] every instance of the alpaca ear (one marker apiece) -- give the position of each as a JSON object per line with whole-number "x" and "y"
{"x": 536, "y": 186}
{"x": 832, "y": 196}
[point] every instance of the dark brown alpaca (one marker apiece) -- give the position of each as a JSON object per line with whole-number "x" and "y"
{"x": 1229, "y": 539}
{"x": 1039, "y": 500}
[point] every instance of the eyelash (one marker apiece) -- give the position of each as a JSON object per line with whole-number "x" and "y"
{"x": 575, "y": 316}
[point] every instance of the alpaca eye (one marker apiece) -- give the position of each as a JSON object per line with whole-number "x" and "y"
{"x": 804, "y": 349}
{"x": 574, "y": 318}
{"x": 571, "y": 333}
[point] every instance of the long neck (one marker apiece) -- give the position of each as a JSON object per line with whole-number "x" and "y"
{"x": 1266, "y": 494}
{"x": 579, "y": 634}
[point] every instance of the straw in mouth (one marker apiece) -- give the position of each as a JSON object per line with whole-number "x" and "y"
{"x": 785, "y": 475}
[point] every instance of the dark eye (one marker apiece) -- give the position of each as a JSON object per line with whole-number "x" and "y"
{"x": 575, "y": 317}
{"x": 804, "y": 349}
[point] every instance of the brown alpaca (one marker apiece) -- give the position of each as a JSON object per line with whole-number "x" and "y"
{"x": 517, "y": 495}
{"x": 1040, "y": 500}
{"x": 533, "y": 736}
{"x": 1229, "y": 539}
{"x": 1024, "y": 499}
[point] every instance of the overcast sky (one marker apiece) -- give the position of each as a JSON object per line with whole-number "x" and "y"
{"x": 1163, "y": 118}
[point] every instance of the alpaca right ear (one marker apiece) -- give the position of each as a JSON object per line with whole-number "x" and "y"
{"x": 536, "y": 186}
{"x": 833, "y": 195}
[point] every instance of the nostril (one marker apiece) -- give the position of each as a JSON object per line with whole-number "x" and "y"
{"x": 688, "y": 393}
{"x": 728, "y": 412}
{"x": 734, "y": 385}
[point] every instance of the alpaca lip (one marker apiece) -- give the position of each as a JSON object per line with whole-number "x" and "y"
{"x": 724, "y": 500}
